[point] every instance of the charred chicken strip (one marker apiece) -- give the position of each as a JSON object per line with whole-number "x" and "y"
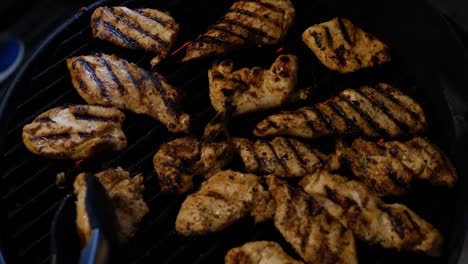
{"x": 126, "y": 195}
{"x": 111, "y": 81}
{"x": 284, "y": 157}
{"x": 75, "y": 132}
{"x": 259, "y": 252}
{"x": 147, "y": 29}
{"x": 246, "y": 23}
{"x": 389, "y": 167}
{"x": 344, "y": 47}
{"x": 356, "y": 207}
{"x": 222, "y": 200}
{"x": 378, "y": 111}
{"x": 251, "y": 90}
{"x": 179, "y": 160}
{"x": 315, "y": 235}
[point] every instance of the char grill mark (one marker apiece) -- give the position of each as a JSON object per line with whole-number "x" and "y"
{"x": 350, "y": 124}
{"x": 284, "y": 157}
{"x": 251, "y": 30}
{"x": 344, "y": 31}
{"x": 114, "y": 77}
{"x": 266, "y": 5}
{"x": 391, "y": 93}
{"x": 357, "y": 208}
{"x": 91, "y": 72}
{"x": 324, "y": 118}
{"x": 127, "y": 22}
{"x": 119, "y": 34}
{"x": 163, "y": 23}
{"x": 253, "y": 15}
{"x": 228, "y": 32}
{"x": 88, "y": 117}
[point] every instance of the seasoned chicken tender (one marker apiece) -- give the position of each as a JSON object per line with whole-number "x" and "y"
{"x": 222, "y": 200}
{"x": 284, "y": 157}
{"x": 178, "y": 161}
{"x": 315, "y": 235}
{"x": 111, "y": 81}
{"x": 344, "y": 47}
{"x": 126, "y": 195}
{"x": 75, "y": 132}
{"x": 388, "y": 168}
{"x": 356, "y": 207}
{"x": 246, "y": 23}
{"x": 148, "y": 29}
{"x": 256, "y": 89}
{"x": 377, "y": 111}
{"x": 259, "y": 252}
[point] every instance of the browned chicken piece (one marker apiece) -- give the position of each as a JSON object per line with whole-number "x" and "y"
{"x": 111, "y": 81}
{"x": 284, "y": 157}
{"x": 389, "y": 167}
{"x": 174, "y": 164}
{"x": 356, "y": 207}
{"x": 75, "y": 132}
{"x": 378, "y": 111}
{"x": 247, "y": 23}
{"x": 344, "y": 47}
{"x": 126, "y": 195}
{"x": 315, "y": 235}
{"x": 222, "y": 200}
{"x": 259, "y": 252}
{"x": 256, "y": 89}
{"x": 179, "y": 160}
{"x": 147, "y": 29}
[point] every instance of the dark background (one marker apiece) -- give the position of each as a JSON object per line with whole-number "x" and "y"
{"x": 31, "y": 21}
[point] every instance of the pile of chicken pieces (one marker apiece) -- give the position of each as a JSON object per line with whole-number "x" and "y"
{"x": 321, "y": 213}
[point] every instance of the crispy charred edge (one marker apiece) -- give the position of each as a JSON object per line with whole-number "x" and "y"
{"x": 90, "y": 71}
{"x": 389, "y": 92}
{"x": 123, "y": 18}
{"x": 217, "y": 128}
{"x": 157, "y": 80}
{"x": 167, "y": 24}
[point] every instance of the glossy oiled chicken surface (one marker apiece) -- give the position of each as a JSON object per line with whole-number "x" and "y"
{"x": 111, "y": 81}
{"x": 246, "y": 23}
{"x": 344, "y": 47}
{"x": 356, "y": 207}
{"x": 374, "y": 111}
{"x": 126, "y": 196}
{"x": 315, "y": 235}
{"x": 388, "y": 168}
{"x": 251, "y": 90}
{"x": 259, "y": 252}
{"x": 222, "y": 200}
{"x": 148, "y": 29}
{"x": 75, "y": 132}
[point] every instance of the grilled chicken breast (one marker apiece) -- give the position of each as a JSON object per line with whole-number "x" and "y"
{"x": 147, "y": 29}
{"x": 259, "y": 252}
{"x": 344, "y": 47}
{"x": 75, "y": 132}
{"x": 284, "y": 157}
{"x": 222, "y": 200}
{"x": 111, "y": 81}
{"x": 126, "y": 195}
{"x": 378, "y": 111}
{"x": 315, "y": 235}
{"x": 251, "y": 90}
{"x": 389, "y": 167}
{"x": 178, "y": 161}
{"x": 356, "y": 207}
{"x": 247, "y": 23}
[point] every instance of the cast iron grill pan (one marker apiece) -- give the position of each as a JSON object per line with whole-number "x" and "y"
{"x": 29, "y": 192}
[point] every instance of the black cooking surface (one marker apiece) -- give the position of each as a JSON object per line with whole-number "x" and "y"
{"x": 30, "y": 196}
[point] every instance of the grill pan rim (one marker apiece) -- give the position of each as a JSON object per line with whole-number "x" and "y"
{"x": 5, "y": 108}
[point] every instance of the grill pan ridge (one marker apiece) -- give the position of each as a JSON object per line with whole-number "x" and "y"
{"x": 29, "y": 196}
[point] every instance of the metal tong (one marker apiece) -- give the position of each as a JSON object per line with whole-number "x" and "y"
{"x": 102, "y": 221}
